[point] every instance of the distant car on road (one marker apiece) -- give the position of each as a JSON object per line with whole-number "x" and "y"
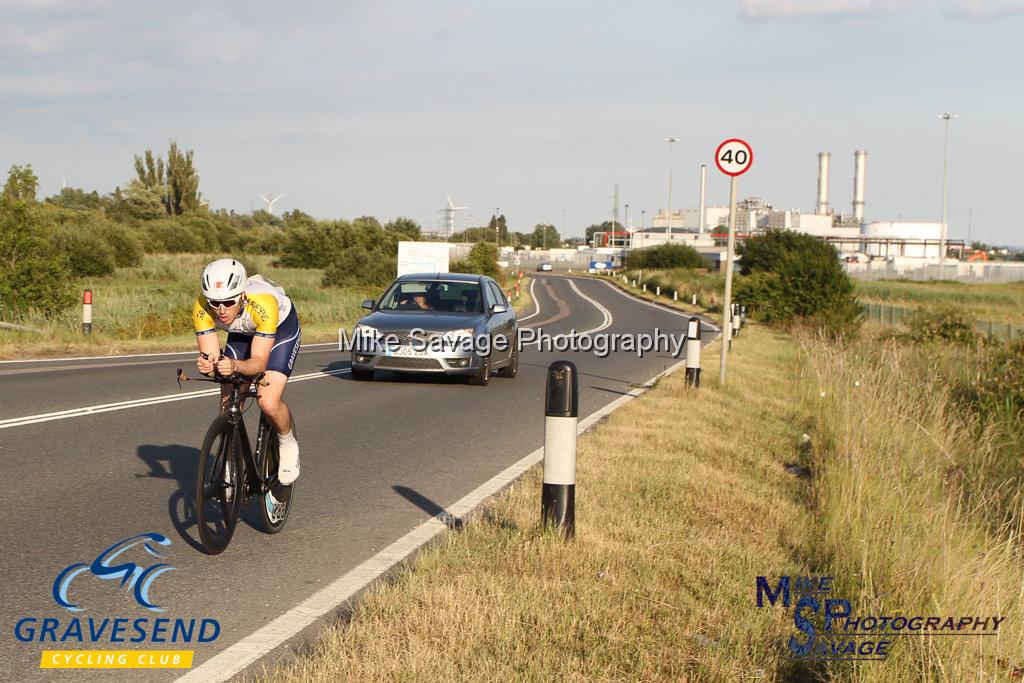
{"x": 457, "y": 315}
{"x": 544, "y": 267}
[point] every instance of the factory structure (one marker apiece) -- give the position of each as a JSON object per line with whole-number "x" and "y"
{"x": 855, "y": 239}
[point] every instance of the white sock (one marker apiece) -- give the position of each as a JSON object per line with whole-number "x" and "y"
{"x": 288, "y": 469}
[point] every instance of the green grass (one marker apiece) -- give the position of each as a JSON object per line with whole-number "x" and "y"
{"x": 684, "y": 498}
{"x": 149, "y": 308}
{"x": 996, "y": 302}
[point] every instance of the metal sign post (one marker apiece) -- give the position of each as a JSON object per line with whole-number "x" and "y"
{"x": 733, "y": 158}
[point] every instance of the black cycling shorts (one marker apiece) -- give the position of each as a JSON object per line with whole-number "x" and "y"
{"x": 286, "y": 345}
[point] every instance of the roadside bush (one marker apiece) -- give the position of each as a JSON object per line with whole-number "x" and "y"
{"x": 357, "y": 266}
{"x": 796, "y": 277}
{"x": 482, "y": 260}
{"x": 87, "y": 253}
{"x": 33, "y": 274}
{"x": 315, "y": 244}
{"x": 168, "y": 235}
{"x": 944, "y": 324}
{"x": 666, "y": 256}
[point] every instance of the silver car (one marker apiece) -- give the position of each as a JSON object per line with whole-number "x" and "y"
{"x": 451, "y": 323}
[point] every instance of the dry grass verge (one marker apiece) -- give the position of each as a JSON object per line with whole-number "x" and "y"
{"x": 682, "y": 501}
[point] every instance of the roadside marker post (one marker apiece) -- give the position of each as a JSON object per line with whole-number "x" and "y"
{"x": 645, "y": 288}
{"x": 743, "y": 316}
{"x": 675, "y": 295}
{"x": 87, "y": 312}
{"x": 735, "y": 320}
{"x": 561, "y": 418}
{"x": 693, "y": 301}
{"x": 733, "y": 158}
{"x": 659, "y": 291}
{"x": 693, "y": 353}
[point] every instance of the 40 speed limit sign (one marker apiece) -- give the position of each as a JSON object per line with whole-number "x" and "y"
{"x": 734, "y": 157}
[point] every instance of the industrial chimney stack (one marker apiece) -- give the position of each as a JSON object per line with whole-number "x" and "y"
{"x": 822, "y": 208}
{"x": 860, "y": 160}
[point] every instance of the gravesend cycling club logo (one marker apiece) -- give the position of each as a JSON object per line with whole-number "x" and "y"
{"x": 829, "y": 629}
{"x": 131, "y": 566}
{"x": 136, "y": 577}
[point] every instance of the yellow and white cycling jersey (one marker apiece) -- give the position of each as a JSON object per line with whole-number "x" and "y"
{"x": 266, "y": 305}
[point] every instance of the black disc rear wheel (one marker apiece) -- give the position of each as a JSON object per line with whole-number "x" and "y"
{"x": 218, "y": 486}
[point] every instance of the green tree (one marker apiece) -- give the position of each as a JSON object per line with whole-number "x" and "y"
{"x": 405, "y": 228}
{"x": 791, "y": 276}
{"x": 482, "y": 260}
{"x": 176, "y": 183}
{"x": 544, "y": 236}
{"x": 33, "y": 274}
{"x": 21, "y": 184}
{"x": 75, "y": 198}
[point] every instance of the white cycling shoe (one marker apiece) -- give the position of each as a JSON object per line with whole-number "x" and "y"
{"x": 288, "y": 468}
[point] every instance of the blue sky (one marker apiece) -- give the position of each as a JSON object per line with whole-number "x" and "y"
{"x": 534, "y": 107}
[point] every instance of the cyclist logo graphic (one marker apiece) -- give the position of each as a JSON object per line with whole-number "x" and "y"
{"x": 132, "y": 575}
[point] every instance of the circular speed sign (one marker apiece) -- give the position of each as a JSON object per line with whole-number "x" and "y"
{"x": 734, "y": 157}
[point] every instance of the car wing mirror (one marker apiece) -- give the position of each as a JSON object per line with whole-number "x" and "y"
{"x": 498, "y": 308}
{"x": 368, "y": 304}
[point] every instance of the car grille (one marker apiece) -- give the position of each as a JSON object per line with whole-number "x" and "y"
{"x": 404, "y": 337}
{"x": 408, "y": 363}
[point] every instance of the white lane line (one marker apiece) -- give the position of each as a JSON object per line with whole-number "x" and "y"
{"x": 660, "y": 308}
{"x": 139, "y": 402}
{"x": 250, "y": 649}
{"x": 604, "y": 311}
{"x": 536, "y": 303}
{"x": 129, "y": 355}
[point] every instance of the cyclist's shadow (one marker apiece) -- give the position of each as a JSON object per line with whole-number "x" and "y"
{"x": 179, "y": 463}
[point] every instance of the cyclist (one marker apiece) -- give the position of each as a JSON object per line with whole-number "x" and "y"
{"x": 263, "y": 336}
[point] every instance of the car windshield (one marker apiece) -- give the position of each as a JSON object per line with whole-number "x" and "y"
{"x": 445, "y": 297}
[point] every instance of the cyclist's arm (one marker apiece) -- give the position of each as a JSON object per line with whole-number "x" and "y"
{"x": 259, "y": 355}
{"x": 206, "y": 332}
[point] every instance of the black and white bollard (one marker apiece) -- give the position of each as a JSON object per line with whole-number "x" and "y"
{"x": 645, "y": 287}
{"x": 675, "y": 295}
{"x": 87, "y": 312}
{"x": 694, "y": 300}
{"x": 735, "y": 320}
{"x": 743, "y": 316}
{"x": 561, "y": 415}
{"x": 693, "y": 353}
{"x": 658, "y": 291}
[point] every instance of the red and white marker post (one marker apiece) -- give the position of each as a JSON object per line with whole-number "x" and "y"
{"x": 87, "y": 311}
{"x": 733, "y": 158}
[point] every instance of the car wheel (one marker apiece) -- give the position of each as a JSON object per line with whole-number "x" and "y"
{"x": 512, "y": 369}
{"x": 483, "y": 375}
{"x": 362, "y": 375}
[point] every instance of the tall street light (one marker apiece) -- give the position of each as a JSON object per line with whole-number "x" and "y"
{"x": 670, "y": 141}
{"x": 947, "y": 117}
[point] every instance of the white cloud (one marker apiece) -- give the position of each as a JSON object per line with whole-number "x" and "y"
{"x": 988, "y": 9}
{"x": 819, "y": 8}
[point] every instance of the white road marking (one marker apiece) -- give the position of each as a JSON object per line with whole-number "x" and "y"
{"x": 536, "y": 303}
{"x": 660, "y": 308}
{"x": 139, "y": 402}
{"x": 129, "y": 355}
{"x": 604, "y": 311}
{"x": 250, "y": 649}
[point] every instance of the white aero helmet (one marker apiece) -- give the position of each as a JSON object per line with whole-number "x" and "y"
{"x": 223, "y": 279}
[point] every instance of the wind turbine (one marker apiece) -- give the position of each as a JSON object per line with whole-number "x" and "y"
{"x": 449, "y": 215}
{"x": 270, "y": 202}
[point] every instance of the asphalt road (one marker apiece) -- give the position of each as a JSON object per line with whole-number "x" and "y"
{"x": 377, "y": 459}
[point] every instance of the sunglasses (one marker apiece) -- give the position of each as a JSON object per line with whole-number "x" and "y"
{"x": 226, "y": 303}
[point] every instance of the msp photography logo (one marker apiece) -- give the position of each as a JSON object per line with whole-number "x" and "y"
{"x": 132, "y": 565}
{"x": 829, "y": 630}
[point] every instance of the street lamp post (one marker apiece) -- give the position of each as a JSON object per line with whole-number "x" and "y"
{"x": 947, "y": 117}
{"x": 670, "y": 142}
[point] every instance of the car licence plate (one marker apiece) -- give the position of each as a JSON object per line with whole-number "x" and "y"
{"x": 407, "y": 351}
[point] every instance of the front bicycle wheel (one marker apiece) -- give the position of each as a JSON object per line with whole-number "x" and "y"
{"x": 275, "y": 504}
{"x": 218, "y": 486}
